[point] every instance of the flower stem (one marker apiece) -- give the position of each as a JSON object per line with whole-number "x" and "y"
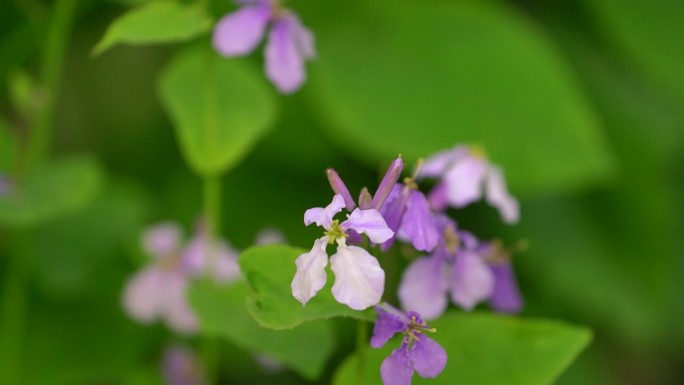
{"x": 52, "y": 63}
{"x": 361, "y": 346}
{"x": 13, "y": 313}
{"x": 212, "y": 223}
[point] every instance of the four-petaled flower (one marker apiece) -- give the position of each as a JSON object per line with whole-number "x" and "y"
{"x": 417, "y": 351}
{"x": 359, "y": 279}
{"x": 289, "y": 42}
{"x": 465, "y": 174}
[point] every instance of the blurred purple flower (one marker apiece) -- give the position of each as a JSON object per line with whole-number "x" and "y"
{"x": 407, "y": 212}
{"x": 359, "y": 279}
{"x": 417, "y": 351}
{"x": 506, "y": 297}
{"x": 222, "y": 258}
{"x": 289, "y": 44}
{"x": 465, "y": 175}
{"x": 180, "y": 366}
{"x": 455, "y": 267}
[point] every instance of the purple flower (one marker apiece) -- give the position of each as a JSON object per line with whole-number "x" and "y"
{"x": 454, "y": 268}
{"x": 465, "y": 175}
{"x": 158, "y": 290}
{"x": 417, "y": 351}
{"x": 289, "y": 44}
{"x": 359, "y": 279}
{"x": 222, "y": 259}
{"x": 506, "y": 296}
{"x": 180, "y": 366}
{"x": 407, "y": 212}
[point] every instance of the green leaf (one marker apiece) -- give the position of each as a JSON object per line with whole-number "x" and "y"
{"x": 50, "y": 192}
{"x": 269, "y": 271}
{"x": 154, "y": 23}
{"x": 222, "y": 312}
{"x": 649, "y": 33}
{"x": 429, "y": 76}
{"x": 486, "y": 349}
{"x": 220, "y": 109}
{"x": 7, "y": 146}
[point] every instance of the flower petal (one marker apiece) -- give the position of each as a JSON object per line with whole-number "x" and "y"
{"x": 396, "y": 369}
{"x": 368, "y": 222}
{"x": 423, "y": 287}
{"x": 437, "y": 164}
{"x": 310, "y": 276}
{"x": 323, "y": 216}
{"x": 143, "y": 295}
{"x": 464, "y": 181}
{"x": 284, "y": 55}
{"x": 179, "y": 315}
{"x": 506, "y": 295}
{"x": 428, "y": 357}
{"x": 386, "y": 326}
{"x": 418, "y": 224}
{"x": 239, "y": 32}
{"x": 162, "y": 239}
{"x": 472, "y": 281}
{"x": 498, "y": 196}
{"x": 225, "y": 267}
{"x": 359, "y": 279}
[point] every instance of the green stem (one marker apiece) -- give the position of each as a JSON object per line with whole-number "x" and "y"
{"x": 212, "y": 223}
{"x": 51, "y": 70}
{"x": 13, "y": 314}
{"x": 361, "y": 346}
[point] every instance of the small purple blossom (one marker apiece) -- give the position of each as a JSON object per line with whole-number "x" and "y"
{"x": 417, "y": 351}
{"x": 454, "y": 268}
{"x": 466, "y": 175}
{"x": 289, "y": 43}
{"x": 407, "y": 212}
{"x": 180, "y": 366}
{"x": 506, "y": 297}
{"x": 359, "y": 279}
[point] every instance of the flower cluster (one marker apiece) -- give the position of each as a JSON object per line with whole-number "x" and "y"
{"x": 454, "y": 263}
{"x": 289, "y": 44}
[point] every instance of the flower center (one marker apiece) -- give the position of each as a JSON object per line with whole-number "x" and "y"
{"x": 335, "y": 232}
{"x": 415, "y": 329}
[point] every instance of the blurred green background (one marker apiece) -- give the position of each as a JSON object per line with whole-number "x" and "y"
{"x": 582, "y": 104}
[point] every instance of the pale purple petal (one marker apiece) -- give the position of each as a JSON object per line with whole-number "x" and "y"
{"x": 438, "y": 197}
{"x": 506, "y": 296}
{"x": 283, "y": 56}
{"x": 181, "y": 367}
{"x": 310, "y": 276}
{"x": 269, "y": 237}
{"x": 162, "y": 239}
{"x": 464, "y": 181}
{"x": 238, "y": 33}
{"x": 227, "y": 268}
{"x": 144, "y": 294}
{"x": 389, "y": 180}
{"x": 386, "y": 326}
{"x": 472, "y": 281}
{"x": 418, "y": 224}
{"x": 359, "y": 279}
{"x": 338, "y": 186}
{"x": 428, "y": 357}
{"x": 303, "y": 37}
{"x": 423, "y": 287}
{"x": 437, "y": 164}
{"x": 396, "y": 369}
{"x": 179, "y": 315}
{"x": 368, "y": 222}
{"x": 498, "y": 196}
{"x": 323, "y": 216}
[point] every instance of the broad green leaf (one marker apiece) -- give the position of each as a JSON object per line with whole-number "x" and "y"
{"x": 485, "y": 349}
{"x": 156, "y": 22}
{"x": 429, "y": 76}
{"x": 269, "y": 271}
{"x": 222, "y": 312}
{"x": 649, "y": 33}
{"x": 54, "y": 190}
{"x": 220, "y": 109}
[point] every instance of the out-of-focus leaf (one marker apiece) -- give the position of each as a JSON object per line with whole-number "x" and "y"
{"x": 65, "y": 261}
{"x": 52, "y": 191}
{"x": 423, "y": 78}
{"x": 156, "y": 22}
{"x": 486, "y": 349}
{"x": 649, "y": 33}
{"x": 220, "y": 109}
{"x": 269, "y": 271}
{"x": 222, "y": 312}
{"x": 7, "y": 146}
